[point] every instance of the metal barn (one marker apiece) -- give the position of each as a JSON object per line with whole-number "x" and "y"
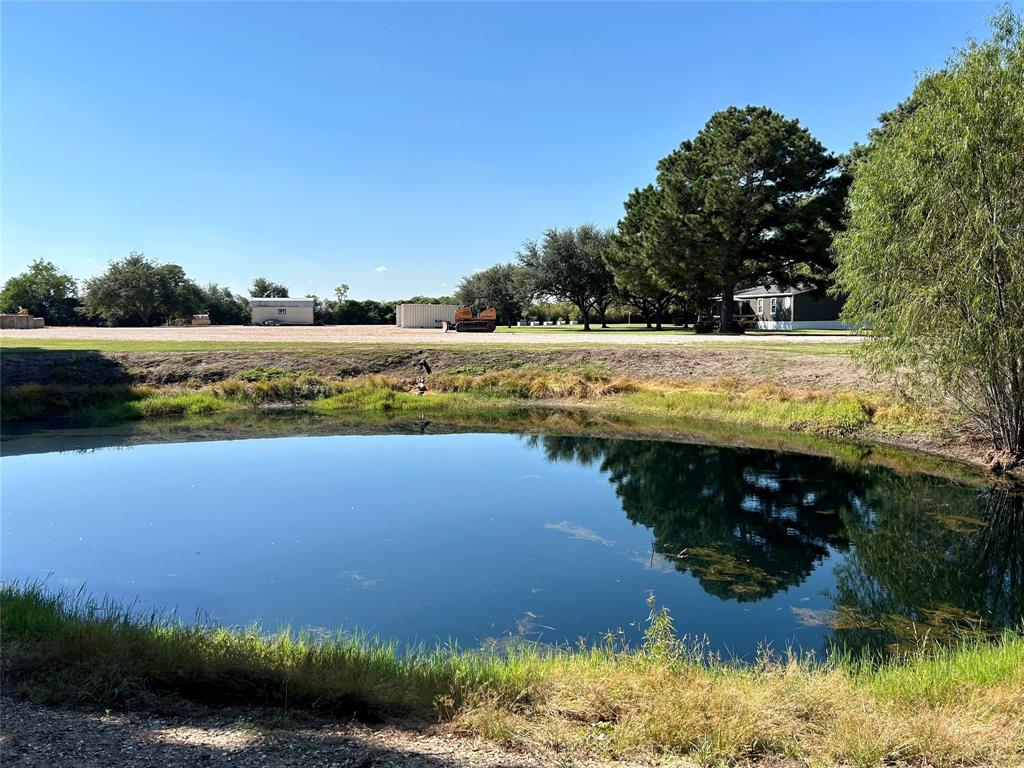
{"x": 424, "y": 315}
{"x": 268, "y": 311}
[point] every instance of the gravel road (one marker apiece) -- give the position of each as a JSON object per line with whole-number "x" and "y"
{"x": 41, "y": 737}
{"x": 389, "y": 334}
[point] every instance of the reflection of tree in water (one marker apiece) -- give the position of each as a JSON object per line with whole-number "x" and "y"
{"x": 930, "y": 556}
{"x": 930, "y": 559}
{"x": 745, "y": 523}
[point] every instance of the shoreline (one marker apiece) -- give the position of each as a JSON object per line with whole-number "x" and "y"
{"x": 664, "y": 699}
{"x": 794, "y": 394}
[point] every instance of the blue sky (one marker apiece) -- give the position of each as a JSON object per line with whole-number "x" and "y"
{"x": 396, "y": 147}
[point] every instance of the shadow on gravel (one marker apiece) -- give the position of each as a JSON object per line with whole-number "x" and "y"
{"x": 36, "y": 736}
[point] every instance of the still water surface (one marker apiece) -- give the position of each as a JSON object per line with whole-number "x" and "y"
{"x": 475, "y": 537}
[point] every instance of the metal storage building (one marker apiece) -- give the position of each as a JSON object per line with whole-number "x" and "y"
{"x": 283, "y": 311}
{"x": 424, "y": 315}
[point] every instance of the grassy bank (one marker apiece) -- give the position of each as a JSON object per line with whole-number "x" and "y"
{"x": 959, "y": 706}
{"x": 820, "y": 412}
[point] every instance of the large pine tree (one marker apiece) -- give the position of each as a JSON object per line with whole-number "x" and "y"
{"x": 754, "y": 198}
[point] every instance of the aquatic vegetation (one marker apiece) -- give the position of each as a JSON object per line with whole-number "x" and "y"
{"x": 952, "y": 705}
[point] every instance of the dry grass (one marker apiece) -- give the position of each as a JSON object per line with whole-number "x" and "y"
{"x": 959, "y": 706}
{"x": 536, "y": 384}
{"x": 763, "y": 404}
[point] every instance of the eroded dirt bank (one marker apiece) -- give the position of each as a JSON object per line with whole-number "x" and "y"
{"x": 794, "y": 369}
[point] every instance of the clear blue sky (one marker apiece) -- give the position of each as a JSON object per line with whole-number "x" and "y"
{"x": 318, "y": 143}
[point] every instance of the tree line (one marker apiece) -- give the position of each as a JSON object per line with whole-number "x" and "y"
{"x": 753, "y": 198}
{"x": 921, "y": 229}
{"x": 138, "y": 291}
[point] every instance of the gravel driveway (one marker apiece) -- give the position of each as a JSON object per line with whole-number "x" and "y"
{"x": 389, "y": 334}
{"x": 41, "y": 737}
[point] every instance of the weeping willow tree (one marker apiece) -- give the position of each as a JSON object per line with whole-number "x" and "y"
{"x": 933, "y": 258}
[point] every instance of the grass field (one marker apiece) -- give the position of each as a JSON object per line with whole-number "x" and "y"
{"x": 935, "y": 706}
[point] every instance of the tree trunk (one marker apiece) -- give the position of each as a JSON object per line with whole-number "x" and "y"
{"x": 725, "y": 322}
{"x": 657, "y": 316}
{"x": 603, "y": 311}
{"x": 584, "y": 315}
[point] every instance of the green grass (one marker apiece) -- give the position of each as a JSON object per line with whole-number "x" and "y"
{"x": 940, "y": 706}
{"x": 838, "y": 414}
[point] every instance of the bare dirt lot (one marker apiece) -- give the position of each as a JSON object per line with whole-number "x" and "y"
{"x": 389, "y": 334}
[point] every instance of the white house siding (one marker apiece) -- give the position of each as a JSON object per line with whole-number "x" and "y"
{"x": 424, "y": 315}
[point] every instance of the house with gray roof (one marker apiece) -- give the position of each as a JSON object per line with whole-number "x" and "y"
{"x": 778, "y": 308}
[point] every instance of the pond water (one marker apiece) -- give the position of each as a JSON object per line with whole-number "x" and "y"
{"x": 482, "y": 537}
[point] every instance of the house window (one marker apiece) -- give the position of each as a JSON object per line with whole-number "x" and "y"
{"x": 775, "y": 306}
{"x": 760, "y": 306}
{"x": 282, "y": 311}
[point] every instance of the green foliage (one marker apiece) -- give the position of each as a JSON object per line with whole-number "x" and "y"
{"x": 353, "y": 312}
{"x": 262, "y": 288}
{"x": 570, "y": 264}
{"x": 933, "y": 259}
{"x": 41, "y": 401}
{"x": 639, "y": 246}
{"x": 752, "y": 199}
{"x": 44, "y": 291}
{"x": 506, "y": 287}
{"x": 139, "y": 291}
{"x": 225, "y": 308}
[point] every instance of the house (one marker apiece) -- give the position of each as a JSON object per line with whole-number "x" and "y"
{"x": 270, "y": 311}
{"x": 776, "y": 308}
{"x": 424, "y": 315}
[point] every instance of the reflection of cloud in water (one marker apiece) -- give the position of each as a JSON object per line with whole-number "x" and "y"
{"x": 579, "y": 532}
{"x": 652, "y": 561}
{"x": 359, "y": 578}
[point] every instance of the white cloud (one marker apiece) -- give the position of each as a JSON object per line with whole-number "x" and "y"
{"x": 380, "y": 269}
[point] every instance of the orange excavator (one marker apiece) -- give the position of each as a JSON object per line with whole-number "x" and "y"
{"x": 485, "y": 321}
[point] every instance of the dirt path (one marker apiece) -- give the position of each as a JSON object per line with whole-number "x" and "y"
{"x": 389, "y": 334}
{"x": 32, "y": 736}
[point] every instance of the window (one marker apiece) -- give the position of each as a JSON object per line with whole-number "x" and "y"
{"x": 775, "y": 306}
{"x": 282, "y": 311}
{"x": 760, "y": 306}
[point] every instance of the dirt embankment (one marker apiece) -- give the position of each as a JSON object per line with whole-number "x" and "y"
{"x": 691, "y": 363}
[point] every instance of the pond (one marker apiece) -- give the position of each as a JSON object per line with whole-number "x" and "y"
{"x": 477, "y": 538}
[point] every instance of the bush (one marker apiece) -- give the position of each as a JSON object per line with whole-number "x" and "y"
{"x": 933, "y": 258}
